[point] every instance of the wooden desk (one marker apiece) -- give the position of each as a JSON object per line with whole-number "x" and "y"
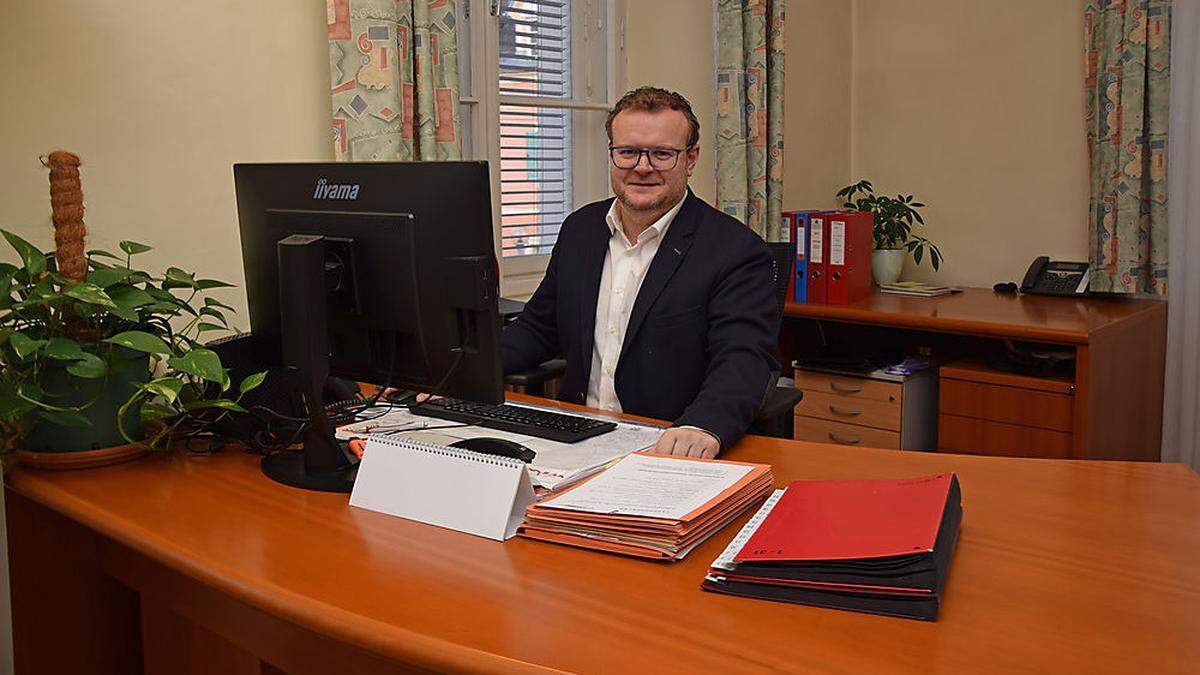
{"x": 1119, "y": 343}
{"x": 198, "y": 565}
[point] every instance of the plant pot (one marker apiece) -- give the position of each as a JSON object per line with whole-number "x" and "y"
{"x": 84, "y": 459}
{"x": 107, "y": 394}
{"x": 886, "y": 264}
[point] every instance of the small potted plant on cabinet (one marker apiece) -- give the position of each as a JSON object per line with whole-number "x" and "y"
{"x": 894, "y": 222}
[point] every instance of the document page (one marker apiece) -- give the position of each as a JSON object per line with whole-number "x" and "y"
{"x": 652, "y": 485}
{"x": 559, "y": 464}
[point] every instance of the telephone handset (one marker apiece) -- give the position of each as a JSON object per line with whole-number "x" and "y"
{"x": 1056, "y": 277}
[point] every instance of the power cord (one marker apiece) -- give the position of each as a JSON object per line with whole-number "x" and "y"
{"x": 438, "y": 387}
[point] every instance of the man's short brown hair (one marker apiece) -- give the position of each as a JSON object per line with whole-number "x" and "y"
{"x": 651, "y": 99}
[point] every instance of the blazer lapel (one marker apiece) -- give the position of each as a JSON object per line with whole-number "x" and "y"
{"x": 670, "y": 254}
{"x": 592, "y": 267}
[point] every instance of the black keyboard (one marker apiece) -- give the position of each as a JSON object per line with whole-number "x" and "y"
{"x": 518, "y": 420}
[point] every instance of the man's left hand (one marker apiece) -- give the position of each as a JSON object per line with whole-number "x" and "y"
{"x": 687, "y": 443}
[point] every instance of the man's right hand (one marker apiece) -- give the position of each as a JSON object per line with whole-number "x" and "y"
{"x": 687, "y": 442}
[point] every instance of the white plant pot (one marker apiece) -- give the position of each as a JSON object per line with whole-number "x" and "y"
{"x": 886, "y": 264}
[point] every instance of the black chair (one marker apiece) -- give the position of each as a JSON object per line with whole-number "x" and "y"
{"x": 532, "y": 382}
{"x": 776, "y": 415}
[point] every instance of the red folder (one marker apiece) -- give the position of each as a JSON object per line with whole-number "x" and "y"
{"x": 818, "y": 235}
{"x": 848, "y": 269}
{"x": 851, "y": 519}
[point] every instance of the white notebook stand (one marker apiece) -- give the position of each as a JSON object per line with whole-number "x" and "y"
{"x": 471, "y": 492}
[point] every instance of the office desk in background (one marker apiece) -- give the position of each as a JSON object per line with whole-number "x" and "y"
{"x": 1119, "y": 345}
{"x": 200, "y": 565}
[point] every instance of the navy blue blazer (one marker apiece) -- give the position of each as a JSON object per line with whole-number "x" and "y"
{"x": 701, "y": 344}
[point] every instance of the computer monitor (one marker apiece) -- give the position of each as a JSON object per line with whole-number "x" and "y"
{"x": 381, "y": 272}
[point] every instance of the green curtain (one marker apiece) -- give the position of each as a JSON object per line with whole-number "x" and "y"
{"x": 749, "y": 113}
{"x": 393, "y": 67}
{"x": 1128, "y": 46}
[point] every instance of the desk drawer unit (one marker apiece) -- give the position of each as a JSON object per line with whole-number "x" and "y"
{"x": 983, "y": 411}
{"x": 872, "y": 410}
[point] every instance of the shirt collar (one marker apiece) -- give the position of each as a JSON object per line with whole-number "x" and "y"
{"x": 613, "y": 220}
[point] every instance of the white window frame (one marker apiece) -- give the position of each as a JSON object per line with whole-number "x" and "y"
{"x": 520, "y": 275}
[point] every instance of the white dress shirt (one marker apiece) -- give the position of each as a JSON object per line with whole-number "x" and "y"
{"x": 625, "y": 268}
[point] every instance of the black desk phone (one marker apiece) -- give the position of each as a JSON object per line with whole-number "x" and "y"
{"x": 1056, "y": 277}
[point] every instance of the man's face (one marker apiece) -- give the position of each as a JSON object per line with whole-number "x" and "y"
{"x": 644, "y": 188}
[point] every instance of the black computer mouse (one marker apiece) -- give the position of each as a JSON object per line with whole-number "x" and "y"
{"x": 496, "y": 446}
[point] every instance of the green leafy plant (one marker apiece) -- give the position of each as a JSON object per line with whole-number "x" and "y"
{"x": 894, "y": 220}
{"x": 48, "y": 321}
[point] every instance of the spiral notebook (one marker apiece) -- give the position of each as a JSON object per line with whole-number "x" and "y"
{"x": 471, "y": 492}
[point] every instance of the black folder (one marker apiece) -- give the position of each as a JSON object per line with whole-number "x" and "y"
{"x": 909, "y": 585}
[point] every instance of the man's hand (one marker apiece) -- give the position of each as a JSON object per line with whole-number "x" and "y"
{"x": 686, "y": 442}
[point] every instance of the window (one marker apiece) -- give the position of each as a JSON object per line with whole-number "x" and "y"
{"x": 537, "y": 78}
{"x": 535, "y": 148}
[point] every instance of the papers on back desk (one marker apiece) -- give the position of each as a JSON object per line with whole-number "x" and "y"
{"x": 556, "y": 465}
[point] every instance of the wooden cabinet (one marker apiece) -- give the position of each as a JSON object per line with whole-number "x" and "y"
{"x": 983, "y": 411}
{"x": 874, "y": 410}
{"x": 1115, "y": 396}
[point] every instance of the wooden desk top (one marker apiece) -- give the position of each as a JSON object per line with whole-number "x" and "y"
{"x": 1062, "y": 566}
{"x": 984, "y": 313}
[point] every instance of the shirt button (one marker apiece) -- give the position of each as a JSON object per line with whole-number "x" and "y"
{"x": 612, "y": 330}
{"x": 618, "y": 291}
{"x": 629, "y": 252}
{"x": 608, "y": 371}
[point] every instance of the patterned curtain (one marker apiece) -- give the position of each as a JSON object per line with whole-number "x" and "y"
{"x": 393, "y": 67}
{"x": 749, "y": 124}
{"x": 1127, "y": 86}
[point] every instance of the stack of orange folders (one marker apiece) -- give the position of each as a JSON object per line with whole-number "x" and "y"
{"x": 651, "y": 506}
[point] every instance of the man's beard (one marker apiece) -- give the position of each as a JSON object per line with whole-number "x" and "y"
{"x": 661, "y": 204}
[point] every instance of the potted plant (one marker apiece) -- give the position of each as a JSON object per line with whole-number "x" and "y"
{"x": 894, "y": 219}
{"x": 102, "y": 359}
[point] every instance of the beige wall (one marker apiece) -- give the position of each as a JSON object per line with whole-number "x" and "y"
{"x": 669, "y": 44}
{"x": 816, "y": 123}
{"x": 159, "y": 99}
{"x": 976, "y": 107}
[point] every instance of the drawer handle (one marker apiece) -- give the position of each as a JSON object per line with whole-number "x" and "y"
{"x": 844, "y": 440}
{"x": 846, "y": 412}
{"x": 845, "y": 388}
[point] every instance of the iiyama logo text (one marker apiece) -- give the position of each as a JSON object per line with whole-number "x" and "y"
{"x": 327, "y": 190}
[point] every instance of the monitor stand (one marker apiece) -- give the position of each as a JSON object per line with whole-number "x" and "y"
{"x": 322, "y": 466}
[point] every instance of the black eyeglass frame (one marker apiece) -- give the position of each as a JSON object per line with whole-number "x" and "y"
{"x": 612, "y": 156}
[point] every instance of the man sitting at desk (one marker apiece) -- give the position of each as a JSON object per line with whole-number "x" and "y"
{"x": 663, "y": 306}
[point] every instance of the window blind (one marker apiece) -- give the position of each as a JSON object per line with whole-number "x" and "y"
{"x": 535, "y": 141}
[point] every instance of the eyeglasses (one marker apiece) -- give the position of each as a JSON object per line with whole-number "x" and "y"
{"x": 660, "y": 159}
